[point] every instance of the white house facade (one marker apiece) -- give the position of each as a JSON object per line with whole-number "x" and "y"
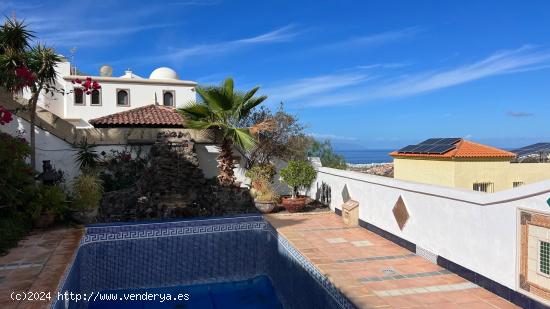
{"x": 117, "y": 94}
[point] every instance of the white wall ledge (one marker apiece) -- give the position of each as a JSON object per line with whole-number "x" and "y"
{"x": 456, "y": 194}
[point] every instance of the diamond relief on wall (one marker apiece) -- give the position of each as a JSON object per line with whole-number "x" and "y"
{"x": 400, "y": 213}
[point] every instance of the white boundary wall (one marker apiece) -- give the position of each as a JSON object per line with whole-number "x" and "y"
{"x": 476, "y": 230}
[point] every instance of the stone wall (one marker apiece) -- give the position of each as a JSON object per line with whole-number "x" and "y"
{"x": 173, "y": 186}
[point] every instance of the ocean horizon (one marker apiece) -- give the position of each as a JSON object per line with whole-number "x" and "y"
{"x": 366, "y": 156}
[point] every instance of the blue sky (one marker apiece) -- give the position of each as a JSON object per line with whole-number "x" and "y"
{"x": 366, "y": 74}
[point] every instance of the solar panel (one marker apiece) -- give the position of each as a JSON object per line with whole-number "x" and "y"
{"x": 532, "y": 149}
{"x": 441, "y": 149}
{"x": 431, "y": 141}
{"x": 431, "y": 146}
{"x": 407, "y": 148}
{"x": 422, "y": 148}
{"x": 440, "y": 141}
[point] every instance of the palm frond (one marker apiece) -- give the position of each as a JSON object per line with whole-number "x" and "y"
{"x": 247, "y": 96}
{"x": 195, "y": 111}
{"x": 242, "y": 138}
{"x": 204, "y": 125}
{"x": 251, "y": 104}
{"x": 228, "y": 85}
{"x": 14, "y": 36}
{"x": 43, "y": 61}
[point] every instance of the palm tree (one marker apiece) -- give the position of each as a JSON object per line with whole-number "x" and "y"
{"x": 223, "y": 109}
{"x": 36, "y": 64}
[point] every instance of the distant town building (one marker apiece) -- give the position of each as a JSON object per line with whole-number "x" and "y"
{"x": 459, "y": 163}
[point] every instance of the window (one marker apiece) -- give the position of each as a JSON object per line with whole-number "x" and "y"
{"x": 78, "y": 96}
{"x": 168, "y": 98}
{"x": 544, "y": 257}
{"x": 96, "y": 97}
{"x": 123, "y": 97}
{"x": 484, "y": 187}
{"x": 516, "y": 184}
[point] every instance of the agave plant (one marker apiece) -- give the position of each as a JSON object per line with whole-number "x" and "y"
{"x": 222, "y": 109}
{"x": 86, "y": 157}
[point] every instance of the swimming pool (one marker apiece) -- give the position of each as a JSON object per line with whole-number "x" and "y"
{"x": 177, "y": 256}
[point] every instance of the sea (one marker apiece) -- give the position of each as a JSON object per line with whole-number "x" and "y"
{"x": 366, "y": 156}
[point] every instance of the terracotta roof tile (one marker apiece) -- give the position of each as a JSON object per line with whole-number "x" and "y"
{"x": 464, "y": 149}
{"x": 146, "y": 116}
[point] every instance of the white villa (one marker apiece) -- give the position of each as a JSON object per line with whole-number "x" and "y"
{"x": 126, "y": 112}
{"x": 117, "y": 94}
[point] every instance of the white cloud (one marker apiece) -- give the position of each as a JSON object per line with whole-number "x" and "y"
{"x": 519, "y": 114}
{"x": 502, "y": 62}
{"x": 526, "y": 58}
{"x": 332, "y": 137}
{"x": 376, "y": 39}
{"x": 283, "y": 34}
{"x": 314, "y": 86}
{"x": 87, "y": 37}
{"x": 382, "y": 66}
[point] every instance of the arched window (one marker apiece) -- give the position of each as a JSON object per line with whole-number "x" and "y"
{"x": 96, "y": 97}
{"x": 123, "y": 97}
{"x": 78, "y": 96}
{"x": 168, "y": 98}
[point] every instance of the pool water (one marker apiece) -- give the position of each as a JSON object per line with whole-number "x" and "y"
{"x": 255, "y": 293}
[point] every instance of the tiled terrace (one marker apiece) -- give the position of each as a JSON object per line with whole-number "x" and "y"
{"x": 36, "y": 265}
{"x": 372, "y": 271}
{"x": 376, "y": 273}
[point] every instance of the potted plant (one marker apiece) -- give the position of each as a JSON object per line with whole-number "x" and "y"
{"x": 298, "y": 175}
{"x": 265, "y": 196}
{"x": 50, "y": 202}
{"x": 88, "y": 191}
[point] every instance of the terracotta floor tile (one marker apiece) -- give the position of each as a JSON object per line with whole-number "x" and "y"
{"x": 346, "y": 276}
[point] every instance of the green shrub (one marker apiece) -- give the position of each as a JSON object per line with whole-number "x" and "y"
{"x": 86, "y": 157}
{"x": 16, "y": 176}
{"x": 326, "y": 154}
{"x": 13, "y": 226}
{"x": 298, "y": 175}
{"x": 48, "y": 199}
{"x": 87, "y": 191}
{"x": 264, "y": 172}
{"x": 119, "y": 170}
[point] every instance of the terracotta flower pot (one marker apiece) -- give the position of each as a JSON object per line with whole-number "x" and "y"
{"x": 84, "y": 216}
{"x": 45, "y": 220}
{"x": 265, "y": 207}
{"x": 294, "y": 205}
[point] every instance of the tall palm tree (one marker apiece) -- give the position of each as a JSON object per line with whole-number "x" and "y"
{"x": 223, "y": 109}
{"x": 38, "y": 63}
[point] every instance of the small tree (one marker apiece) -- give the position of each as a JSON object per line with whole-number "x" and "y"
{"x": 32, "y": 68}
{"x": 284, "y": 138}
{"x": 298, "y": 175}
{"x": 327, "y": 155}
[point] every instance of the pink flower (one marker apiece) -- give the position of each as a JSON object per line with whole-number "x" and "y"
{"x": 5, "y": 116}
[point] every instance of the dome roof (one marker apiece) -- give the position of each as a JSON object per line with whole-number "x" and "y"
{"x": 164, "y": 73}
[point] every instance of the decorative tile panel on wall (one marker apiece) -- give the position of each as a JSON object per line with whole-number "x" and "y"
{"x": 400, "y": 213}
{"x": 534, "y": 276}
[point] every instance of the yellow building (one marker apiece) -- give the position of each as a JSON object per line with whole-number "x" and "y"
{"x": 464, "y": 164}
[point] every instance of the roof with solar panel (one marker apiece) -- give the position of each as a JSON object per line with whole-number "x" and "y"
{"x": 450, "y": 148}
{"x": 538, "y": 150}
